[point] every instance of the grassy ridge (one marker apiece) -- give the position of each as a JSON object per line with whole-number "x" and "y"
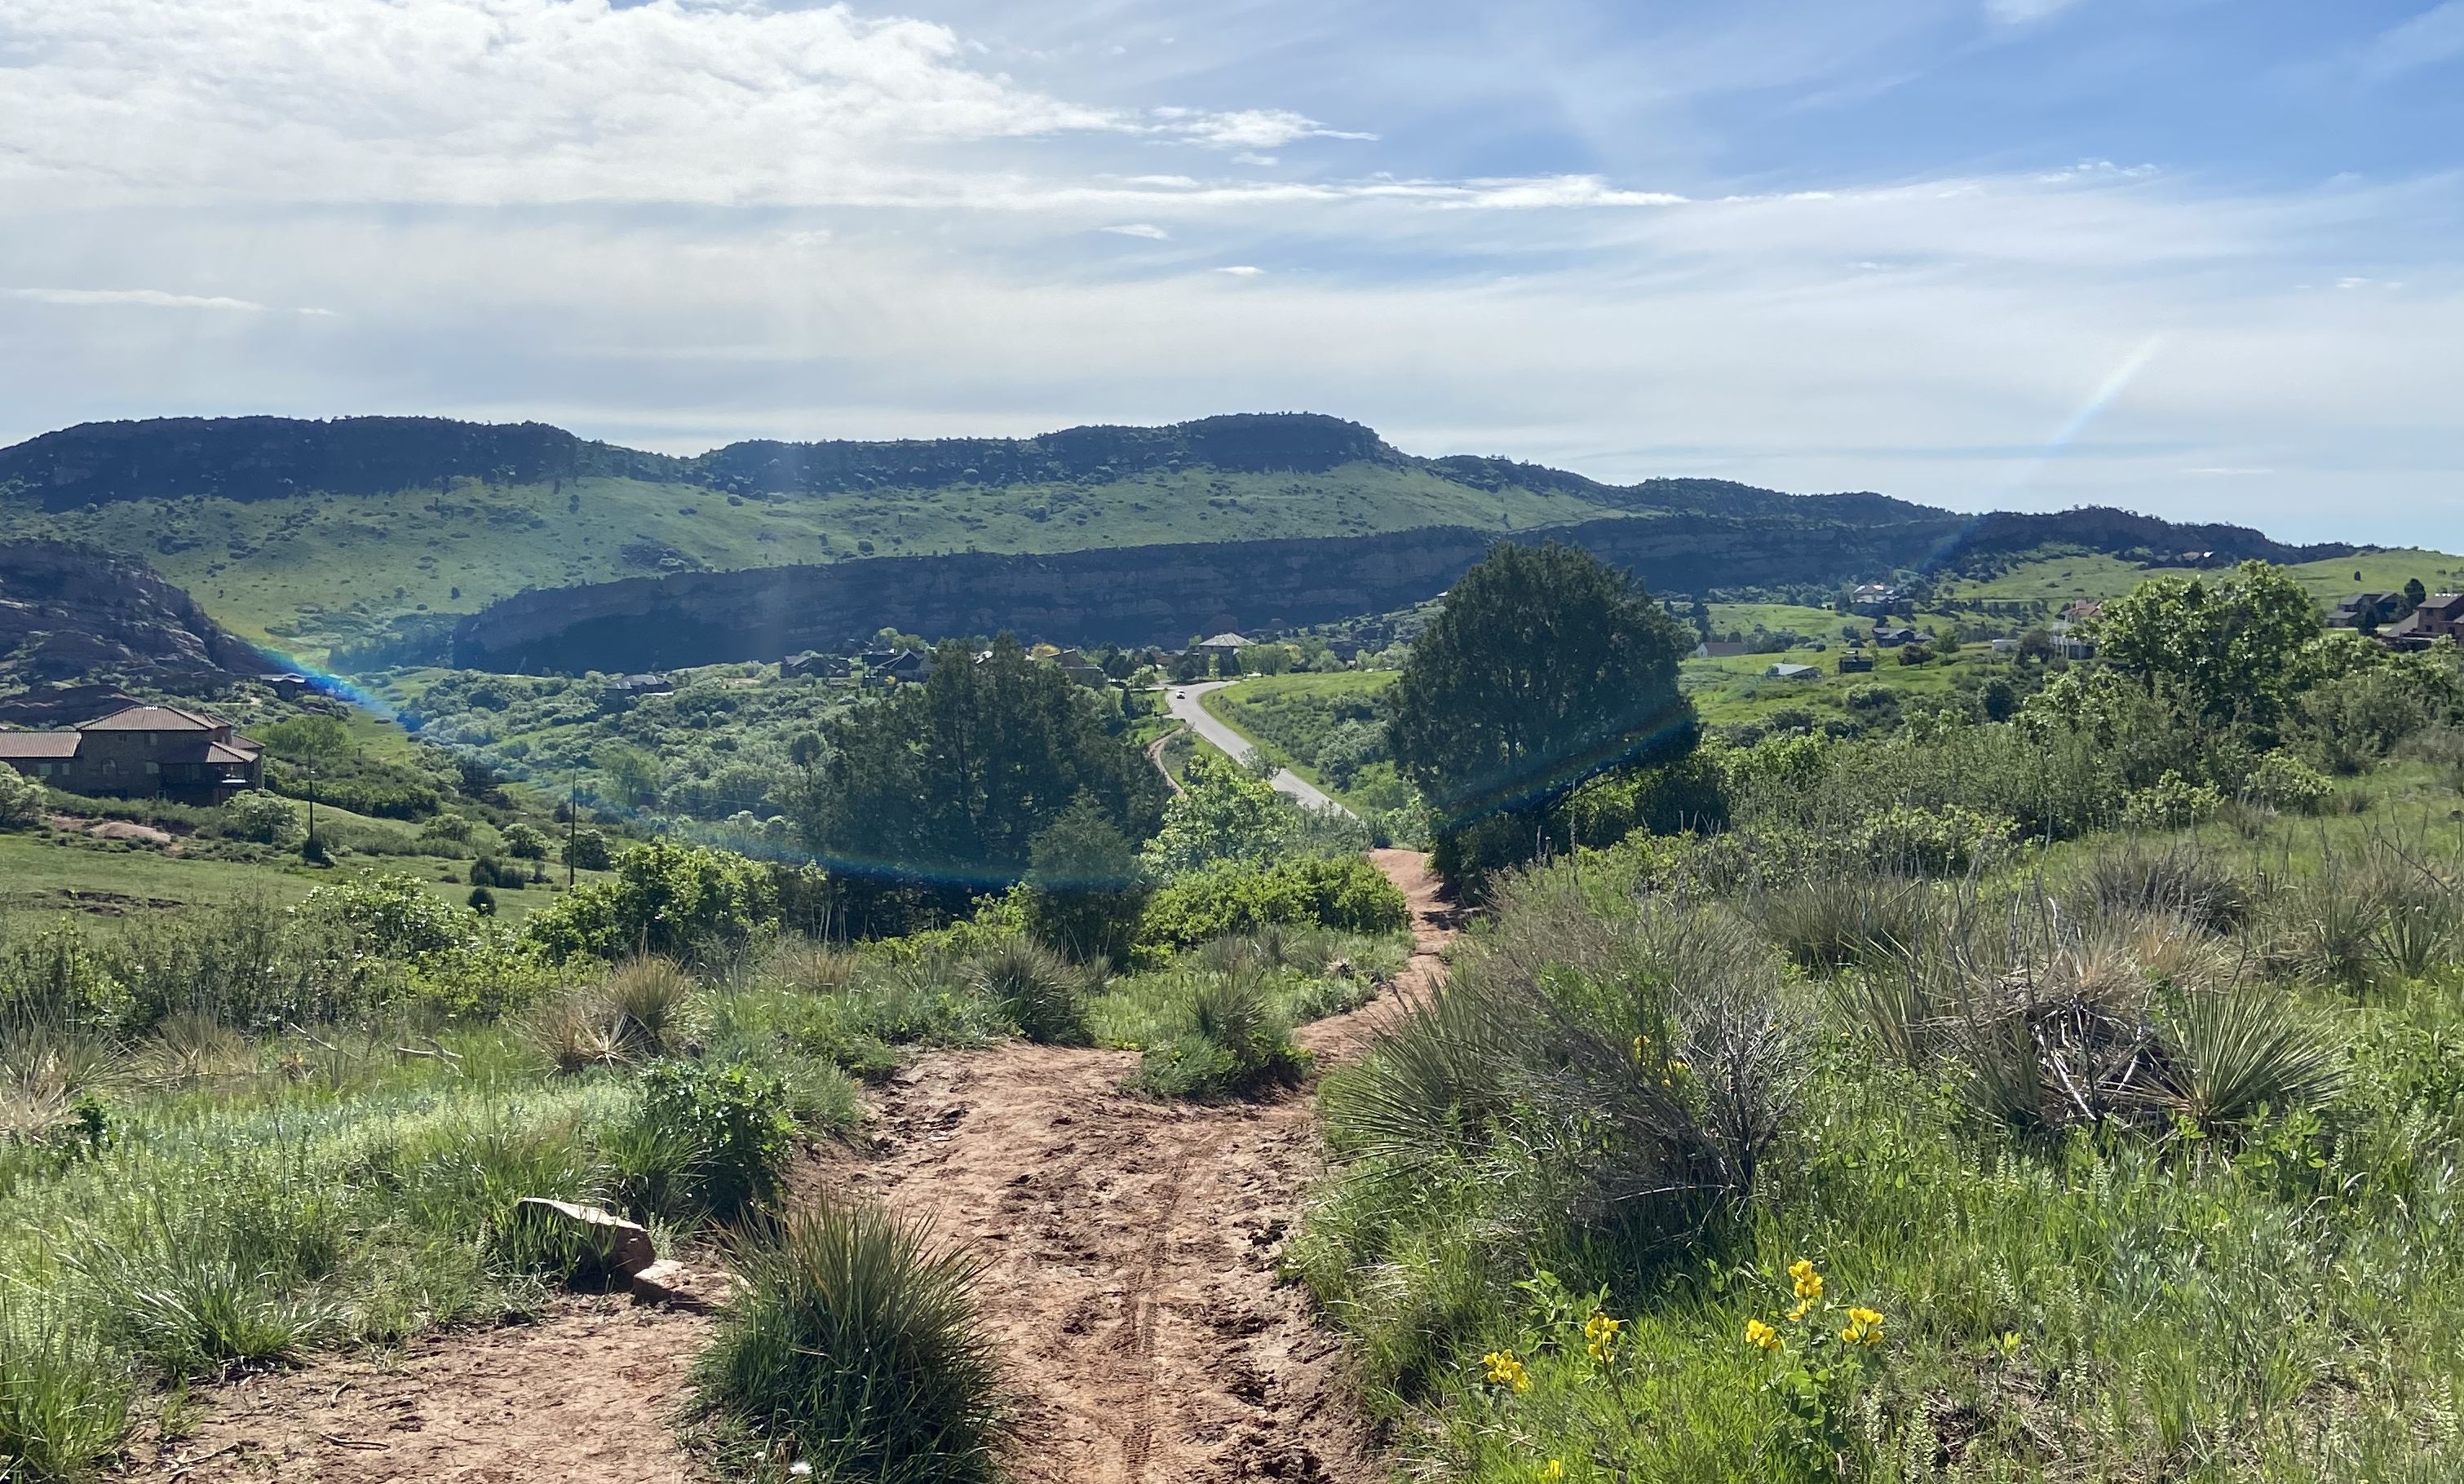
{"x": 309, "y": 572}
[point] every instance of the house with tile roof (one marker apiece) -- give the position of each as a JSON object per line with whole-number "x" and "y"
{"x": 142, "y": 751}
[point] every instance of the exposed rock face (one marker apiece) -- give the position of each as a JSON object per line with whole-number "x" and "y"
{"x": 68, "y": 612}
{"x": 1162, "y": 595}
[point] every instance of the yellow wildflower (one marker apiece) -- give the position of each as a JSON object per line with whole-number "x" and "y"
{"x": 1505, "y": 1370}
{"x": 1761, "y": 1335}
{"x": 1555, "y": 1470}
{"x": 1796, "y": 1315}
{"x": 1809, "y": 1284}
{"x": 1864, "y": 1327}
{"x": 1602, "y": 1332}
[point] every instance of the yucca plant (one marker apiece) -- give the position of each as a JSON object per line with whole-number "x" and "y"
{"x": 857, "y": 1345}
{"x": 2243, "y": 1053}
{"x": 1228, "y": 1041}
{"x": 647, "y": 997}
{"x": 1036, "y": 990}
{"x": 44, "y": 1071}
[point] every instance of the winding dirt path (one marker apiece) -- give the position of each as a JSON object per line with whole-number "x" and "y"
{"x": 1131, "y": 1280}
{"x": 1132, "y": 1250}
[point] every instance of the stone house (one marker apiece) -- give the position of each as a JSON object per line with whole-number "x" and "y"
{"x": 142, "y": 751}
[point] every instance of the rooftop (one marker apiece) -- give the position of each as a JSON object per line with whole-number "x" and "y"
{"x": 152, "y": 718}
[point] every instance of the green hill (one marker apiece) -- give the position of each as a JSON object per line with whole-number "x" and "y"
{"x": 315, "y": 536}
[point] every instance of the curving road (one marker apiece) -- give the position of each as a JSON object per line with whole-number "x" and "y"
{"x": 1184, "y": 701}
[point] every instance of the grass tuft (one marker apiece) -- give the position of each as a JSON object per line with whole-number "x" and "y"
{"x": 857, "y": 1345}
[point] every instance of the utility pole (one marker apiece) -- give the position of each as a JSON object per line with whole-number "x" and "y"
{"x": 572, "y": 792}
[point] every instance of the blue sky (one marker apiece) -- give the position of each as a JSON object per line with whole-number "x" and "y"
{"x": 2197, "y": 258}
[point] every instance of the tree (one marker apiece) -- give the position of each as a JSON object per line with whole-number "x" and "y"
{"x": 1222, "y": 813}
{"x": 634, "y": 773}
{"x": 311, "y": 737}
{"x": 948, "y": 782}
{"x": 525, "y": 842}
{"x": 2225, "y": 648}
{"x": 1544, "y": 667}
{"x": 667, "y": 898}
{"x": 2414, "y": 596}
{"x": 1085, "y": 887}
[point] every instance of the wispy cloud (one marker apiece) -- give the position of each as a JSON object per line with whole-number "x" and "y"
{"x": 151, "y": 298}
{"x": 2021, "y": 12}
{"x": 1248, "y": 128}
{"x": 2434, "y": 35}
{"x": 1141, "y": 230}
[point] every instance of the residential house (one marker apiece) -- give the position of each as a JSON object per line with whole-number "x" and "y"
{"x": 142, "y": 751}
{"x": 632, "y": 688}
{"x": 1856, "y": 662}
{"x": 2087, "y": 610}
{"x": 1224, "y": 643}
{"x": 1787, "y": 672}
{"x": 1890, "y": 635}
{"x": 2365, "y": 610}
{"x": 1721, "y": 649}
{"x": 288, "y": 686}
{"x": 1080, "y": 668}
{"x": 2440, "y": 616}
{"x": 1873, "y": 597}
{"x": 905, "y": 666}
{"x": 814, "y": 664}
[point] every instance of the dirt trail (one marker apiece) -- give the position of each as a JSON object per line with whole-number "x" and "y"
{"x": 589, "y": 1392}
{"x": 1131, "y": 1249}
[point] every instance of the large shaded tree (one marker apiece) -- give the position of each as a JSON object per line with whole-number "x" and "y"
{"x": 946, "y": 784}
{"x": 2225, "y": 644}
{"x": 1545, "y": 668}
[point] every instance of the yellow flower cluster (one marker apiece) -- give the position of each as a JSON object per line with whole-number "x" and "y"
{"x": 1602, "y": 1332}
{"x": 1556, "y": 1469}
{"x": 1505, "y": 1370}
{"x": 1864, "y": 1325}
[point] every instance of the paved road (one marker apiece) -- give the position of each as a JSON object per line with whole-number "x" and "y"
{"x": 1184, "y": 705}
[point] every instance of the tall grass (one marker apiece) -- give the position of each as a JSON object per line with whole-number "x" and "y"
{"x": 858, "y": 1344}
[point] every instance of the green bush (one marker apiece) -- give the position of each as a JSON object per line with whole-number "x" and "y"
{"x": 1226, "y": 1041}
{"x": 1227, "y": 897}
{"x": 858, "y": 1347}
{"x": 670, "y": 899}
{"x": 735, "y": 1119}
{"x": 587, "y": 851}
{"x": 264, "y": 817}
{"x": 21, "y": 800}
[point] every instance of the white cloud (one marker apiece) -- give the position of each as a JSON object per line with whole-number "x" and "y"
{"x": 151, "y": 298}
{"x": 1243, "y": 270}
{"x": 1248, "y": 128}
{"x": 2021, "y": 12}
{"x": 2434, "y": 35}
{"x": 1141, "y": 230}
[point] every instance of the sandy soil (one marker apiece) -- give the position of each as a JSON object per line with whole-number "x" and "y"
{"x": 1131, "y": 1249}
{"x": 586, "y": 1393}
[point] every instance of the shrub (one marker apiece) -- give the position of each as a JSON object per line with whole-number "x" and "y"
{"x": 265, "y": 818}
{"x": 636, "y": 1014}
{"x": 735, "y": 1119}
{"x": 1347, "y": 893}
{"x": 1037, "y": 990}
{"x": 858, "y": 1345}
{"x": 1226, "y": 1042}
{"x": 525, "y": 842}
{"x": 21, "y": 800}
{"x": 1945, "y": 837}
{"x": 668, "y": 898}
{"x": 2172, "y": 802}
{"x": 2284, "y": 781}
{"x": 2130, "y": 880}
{"x": 1086, "y": 886}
